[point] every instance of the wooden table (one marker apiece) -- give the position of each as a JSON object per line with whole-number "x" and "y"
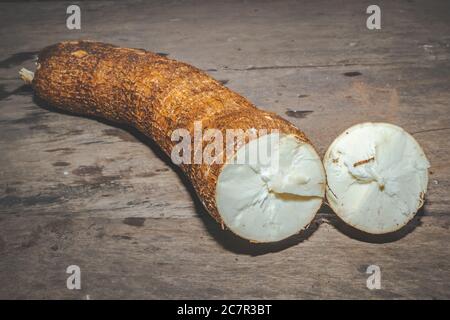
{"x": 74, "y": 191}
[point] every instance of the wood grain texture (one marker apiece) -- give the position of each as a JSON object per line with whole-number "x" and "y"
{"x": 78, "y": 191}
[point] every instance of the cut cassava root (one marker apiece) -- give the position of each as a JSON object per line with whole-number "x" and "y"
{"x": 262, "y": 202}
{"x": 377, "y": 176}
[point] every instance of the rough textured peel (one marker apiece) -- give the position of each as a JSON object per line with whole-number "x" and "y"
{"x": 377, "y": 177}
{"x": 157, "y": 95}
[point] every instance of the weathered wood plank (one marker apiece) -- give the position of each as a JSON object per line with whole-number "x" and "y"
{"x": 188, "y": 258}
{"x": 78, "y": 191}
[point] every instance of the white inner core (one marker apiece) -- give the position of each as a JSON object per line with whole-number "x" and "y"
{"x": 267, "y": 201}
{"x": 377, "y": 176}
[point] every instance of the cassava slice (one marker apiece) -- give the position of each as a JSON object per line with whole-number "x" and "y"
{"x": 261, "y": 202}
{"x": 377, "y": 177}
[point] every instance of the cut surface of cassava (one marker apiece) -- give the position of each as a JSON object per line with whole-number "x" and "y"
{"x": 258, "y": 201}
{"x": 377, "y": 176}
{"x": 271, "y": 200}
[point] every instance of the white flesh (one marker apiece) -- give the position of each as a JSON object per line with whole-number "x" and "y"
{"x": 268, "y": 201}
{"x": 377, "y": 177}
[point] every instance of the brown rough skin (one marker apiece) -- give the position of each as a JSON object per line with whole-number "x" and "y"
{"x": 152, "y": 93}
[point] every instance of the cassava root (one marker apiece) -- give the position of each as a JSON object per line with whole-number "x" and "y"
{"x": 261, "y": 202}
